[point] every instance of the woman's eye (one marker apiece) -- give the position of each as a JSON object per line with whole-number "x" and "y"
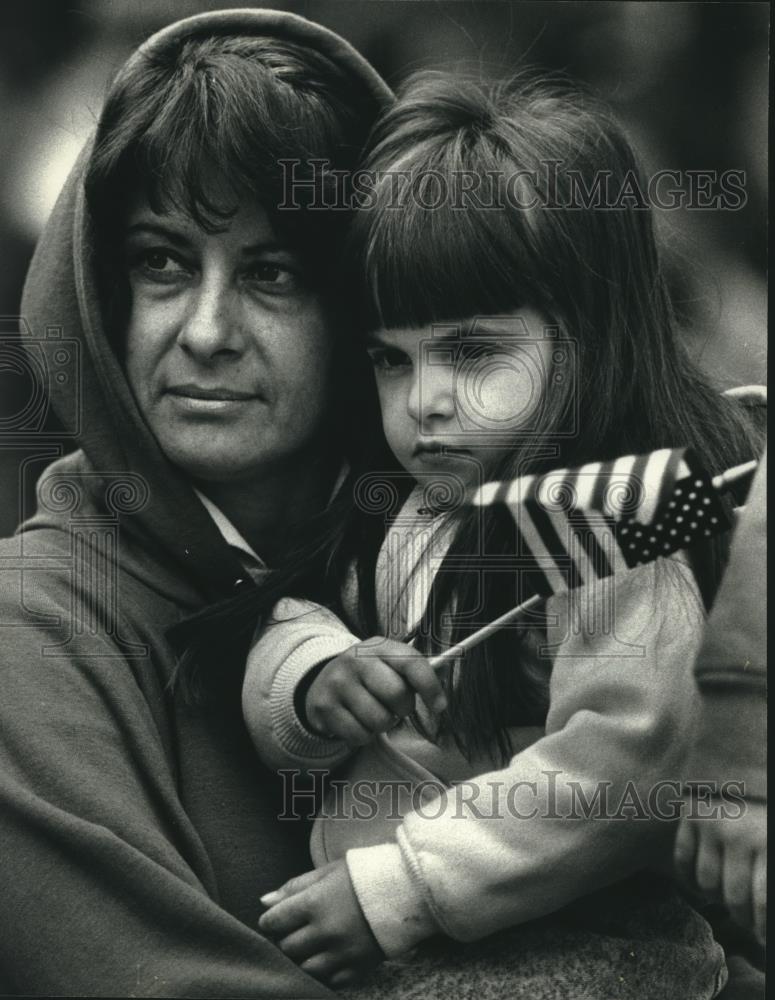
{"x": 158, "y": 265}
{"x": 388, "y": 359}
{"x": 273, "y": 277}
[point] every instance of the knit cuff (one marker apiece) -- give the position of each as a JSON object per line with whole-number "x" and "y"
{"x": 290, "y": 732}
{"x": 391, "y": 900}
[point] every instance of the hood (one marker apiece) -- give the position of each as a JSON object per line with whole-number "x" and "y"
{"x": 89, "y": 390}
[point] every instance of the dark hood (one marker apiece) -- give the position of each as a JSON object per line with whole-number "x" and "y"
{"x": 60, "y": 292}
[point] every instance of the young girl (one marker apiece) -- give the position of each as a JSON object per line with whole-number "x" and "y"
{"x": 518, "y": 320}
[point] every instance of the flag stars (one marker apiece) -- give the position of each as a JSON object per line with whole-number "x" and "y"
{"x": 698, "y": 483}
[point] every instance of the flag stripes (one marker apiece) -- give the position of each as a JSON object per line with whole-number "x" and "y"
{"x": 576, "y": 525}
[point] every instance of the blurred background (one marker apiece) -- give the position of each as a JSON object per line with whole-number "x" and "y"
{"x": 689, "y": 80}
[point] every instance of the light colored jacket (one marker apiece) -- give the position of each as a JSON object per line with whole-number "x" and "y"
{"x": 581, "y": 805}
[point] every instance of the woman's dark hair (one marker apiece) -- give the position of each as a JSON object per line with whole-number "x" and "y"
{"x": 255, "y": 112}
{"x": 244, "y": 115}
{"x": 591, "y": 267}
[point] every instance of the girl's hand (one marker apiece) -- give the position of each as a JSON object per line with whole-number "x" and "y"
{"x": 317, "y": 922}
{"x": 368, "y": 688}
{"x": 725, "y": 858}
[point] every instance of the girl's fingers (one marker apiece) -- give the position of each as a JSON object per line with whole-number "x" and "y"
{"x": 301, "y": 945}
{"x": 388, "y": 687}
{"x": 368, "y": 712}
{"x": 284, "y": 917}
{"x": 322, "y": 965}
{"x": 708, "y": 865}
{"x": 343, "y": 977}
{"x": 759, "y": 895}
{"x": 684, "y": 850}
{"x": 419, "y": 674}
{"x": 342, "y": 724}
{"x": 292, "y": 886}
{"x": 736, "y": 880}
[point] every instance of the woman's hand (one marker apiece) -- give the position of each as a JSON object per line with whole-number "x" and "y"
{"x": 368, "y": 688}
{"x": 725, "y": 857}
{"x": 317, "y": 922}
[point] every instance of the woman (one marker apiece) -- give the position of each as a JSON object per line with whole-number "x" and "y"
{"x": 138, "y": 833}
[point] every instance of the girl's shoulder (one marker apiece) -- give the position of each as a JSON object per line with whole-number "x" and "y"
{"x": 656, "y": 602}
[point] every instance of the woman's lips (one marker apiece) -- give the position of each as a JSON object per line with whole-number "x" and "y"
{"x": 209, "y": 400}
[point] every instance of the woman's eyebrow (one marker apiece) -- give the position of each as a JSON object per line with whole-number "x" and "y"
{"x": 268, "y": 246}
{"x": 157, "y": 229}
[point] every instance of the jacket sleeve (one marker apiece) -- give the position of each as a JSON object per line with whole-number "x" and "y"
{"x": 105, "y": 887}
{"x": 298, "y": 637}
{"x": 731, "y": 669}
{"x": 579, "y": 809}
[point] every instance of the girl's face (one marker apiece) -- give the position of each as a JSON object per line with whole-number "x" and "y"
{"x": 456, "y": 403}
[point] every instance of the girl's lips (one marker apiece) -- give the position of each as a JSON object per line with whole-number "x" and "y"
{"x": 438, "y": 449}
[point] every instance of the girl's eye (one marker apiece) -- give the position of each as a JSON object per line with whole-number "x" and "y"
{"x": 388, "y": 360}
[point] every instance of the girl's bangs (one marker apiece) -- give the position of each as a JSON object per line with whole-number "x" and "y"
{"x": 424, "y": 265}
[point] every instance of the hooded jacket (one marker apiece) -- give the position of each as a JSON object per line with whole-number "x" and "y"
{"x": 137, "y": 833}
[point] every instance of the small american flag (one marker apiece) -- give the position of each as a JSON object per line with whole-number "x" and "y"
{"x": 575, "y": 525}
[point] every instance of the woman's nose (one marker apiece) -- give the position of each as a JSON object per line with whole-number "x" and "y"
{"x": 211, "y": 324}
{"x": 432, "y": 395}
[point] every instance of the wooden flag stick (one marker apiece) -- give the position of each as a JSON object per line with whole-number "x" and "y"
{"x": 733, "y": 474}
{"x": 479, "y": 636}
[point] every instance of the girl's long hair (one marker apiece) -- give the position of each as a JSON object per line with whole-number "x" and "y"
{"x": 582, "y": 254}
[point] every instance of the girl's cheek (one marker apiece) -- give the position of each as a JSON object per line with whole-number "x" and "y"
{"x": 505, "y": 397}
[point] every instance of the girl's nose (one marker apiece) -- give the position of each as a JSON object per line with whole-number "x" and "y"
{"x": 211, "y": 326}
{"x": 432, "y": 395}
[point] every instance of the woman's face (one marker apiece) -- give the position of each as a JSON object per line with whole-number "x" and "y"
{"x": 455, "y": 404}
{"x": 228, "y": 349}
